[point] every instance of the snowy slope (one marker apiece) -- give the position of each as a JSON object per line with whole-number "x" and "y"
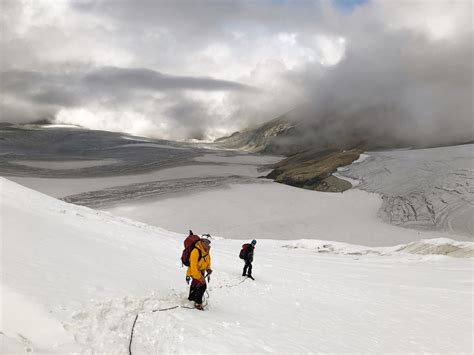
{"x": 74, "y": 279}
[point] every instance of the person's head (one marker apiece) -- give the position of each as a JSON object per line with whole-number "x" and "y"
{"x": 253, "y": 242}
{"x": 206, "y": 243}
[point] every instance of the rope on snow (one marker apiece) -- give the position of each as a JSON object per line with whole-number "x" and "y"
{"x": 174, "y": 307}
{"x": 229, "y": 286}
{"x": 131, "y": 335}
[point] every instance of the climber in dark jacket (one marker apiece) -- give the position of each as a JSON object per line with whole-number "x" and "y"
{"x": 248, "y": 258}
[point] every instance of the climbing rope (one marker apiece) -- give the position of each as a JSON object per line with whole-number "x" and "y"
{"x": 229, "y": 286}
{"x": 131, "y": 335}
{"x": 176, "y": 307}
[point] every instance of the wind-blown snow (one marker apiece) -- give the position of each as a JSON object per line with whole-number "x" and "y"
{"x": 82, "y": 276}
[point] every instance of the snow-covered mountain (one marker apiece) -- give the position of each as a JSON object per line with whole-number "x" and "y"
{"x": 261, "y": 138}
{"x": 74, "y": 280}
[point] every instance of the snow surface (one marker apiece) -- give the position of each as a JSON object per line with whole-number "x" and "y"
{"x": 74, "y": 279}
{"x": 62, "y": 187}
{"x": 424, "y": 188}
{"x": 275, "y": 211}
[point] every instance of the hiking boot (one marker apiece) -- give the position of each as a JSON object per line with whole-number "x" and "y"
{"x": 243, "y": 274}
{"x": 199, "y": 306}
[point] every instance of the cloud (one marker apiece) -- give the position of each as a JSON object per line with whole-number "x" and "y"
{"x": 404, "y": 85}
{"x": 146, "y": 79}
{"x": 47, "y": 94}
{"x": 405, "y": 69}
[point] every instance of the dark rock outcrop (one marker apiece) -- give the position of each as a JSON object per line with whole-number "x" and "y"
{"x": 313, "y": 170}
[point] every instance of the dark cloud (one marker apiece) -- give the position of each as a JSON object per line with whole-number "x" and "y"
{"x": 146, "y": 79}
{"x": 119, "y": 85}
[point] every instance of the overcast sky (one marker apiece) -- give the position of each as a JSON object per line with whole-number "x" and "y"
{"x": 203, "y": 69}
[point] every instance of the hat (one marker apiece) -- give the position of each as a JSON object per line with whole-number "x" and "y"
{"x": 253, "y": 242}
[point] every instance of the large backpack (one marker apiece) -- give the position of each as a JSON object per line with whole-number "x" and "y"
{"x": 189, "y": 245}
{"x": 243, "y": 251}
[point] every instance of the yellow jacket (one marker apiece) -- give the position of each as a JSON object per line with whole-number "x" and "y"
{"x": 196, "y": 266}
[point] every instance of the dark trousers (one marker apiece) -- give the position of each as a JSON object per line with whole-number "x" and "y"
{"x": 196, "y": 291}
{"x": 248, "y": 265}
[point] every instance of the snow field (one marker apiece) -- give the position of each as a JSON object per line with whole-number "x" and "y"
{"x": 84, "y": 275}
{"x": 275, "y": 211}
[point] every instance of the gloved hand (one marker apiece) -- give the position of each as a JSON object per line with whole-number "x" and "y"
{"x": 209, "y": 272}
{"x": 188, "y": 278}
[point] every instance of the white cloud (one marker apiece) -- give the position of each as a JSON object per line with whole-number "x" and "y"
{"x": 439, "y": 19}
{"x": 284, "y": 50}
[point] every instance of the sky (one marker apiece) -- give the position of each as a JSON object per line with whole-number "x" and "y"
{"x": 204, "y": 69}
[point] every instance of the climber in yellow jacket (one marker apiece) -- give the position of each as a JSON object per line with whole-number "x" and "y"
{"x": 199, "y": 264}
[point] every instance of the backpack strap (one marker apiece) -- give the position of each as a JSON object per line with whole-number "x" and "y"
{"x": 200, "y": 253}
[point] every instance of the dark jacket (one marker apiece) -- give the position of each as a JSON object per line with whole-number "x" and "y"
{"x": 248, "y": 253}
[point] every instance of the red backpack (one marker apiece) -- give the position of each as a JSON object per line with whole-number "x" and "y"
{"x": 243, "y": 250}
{"x": 189, "y": 244}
